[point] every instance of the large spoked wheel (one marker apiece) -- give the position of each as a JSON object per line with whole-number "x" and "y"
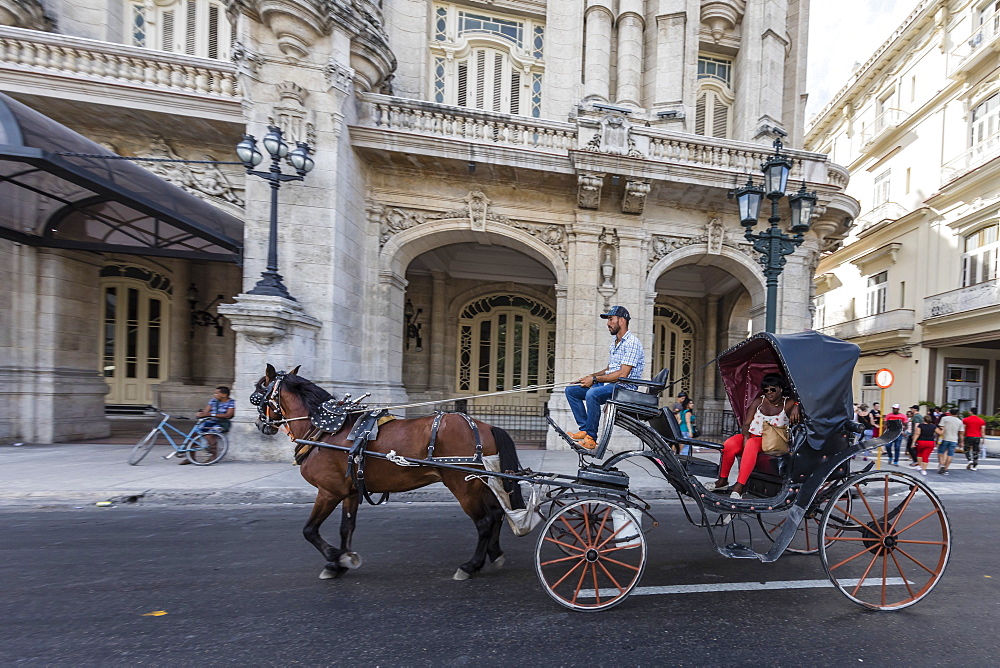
{"x": 890, "y": 549}
{"x": 597, "y": 567}
{"x": 142, "y": 448}
{"x": 206, "y": 449}
{"x": 806, "y": 540}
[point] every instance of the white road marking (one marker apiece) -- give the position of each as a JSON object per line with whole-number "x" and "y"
{"x": 741, "y": 586}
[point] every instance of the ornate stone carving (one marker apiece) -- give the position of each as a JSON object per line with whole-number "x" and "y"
{"x": 716, "y": 235}
{"x": 291, "y": 116}
{"x": 589, "y": 190}
{"x": 635, "y": 196}
{"x": 661, "y": 245}
{"x": 202, "y": 180}
{"x": 339, "y": 76}
{"x": 291, "y": 92}
{"x": 247, "y": 62}
{"x": 721, "y": 16}
{"x": 609, "y": 238}
{"x": 28, "y": 14}
{"x": 614, "y": 136}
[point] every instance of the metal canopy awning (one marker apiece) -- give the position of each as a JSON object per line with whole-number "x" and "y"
{"x": 48, "y": 198}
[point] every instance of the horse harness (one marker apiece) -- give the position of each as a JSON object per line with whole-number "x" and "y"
{"x": 330, "y": 418}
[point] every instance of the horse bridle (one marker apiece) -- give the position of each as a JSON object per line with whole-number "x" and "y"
{"x": 270, "y": 400}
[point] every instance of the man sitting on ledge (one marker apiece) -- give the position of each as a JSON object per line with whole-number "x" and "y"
{"x": 626, "y": 359}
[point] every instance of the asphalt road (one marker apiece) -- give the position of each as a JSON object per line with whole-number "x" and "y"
{"x": 239, "y": 586}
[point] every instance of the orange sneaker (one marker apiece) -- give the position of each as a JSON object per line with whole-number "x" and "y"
{"x": 587, "y": 442}
{"x": 576, "y": 435}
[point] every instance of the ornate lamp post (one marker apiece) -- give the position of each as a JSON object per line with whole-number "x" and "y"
{"x": 270, "y": 280}
{"x": 772, "y": 243}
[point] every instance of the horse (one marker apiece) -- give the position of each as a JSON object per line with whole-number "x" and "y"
{"x": 287, "y": 400}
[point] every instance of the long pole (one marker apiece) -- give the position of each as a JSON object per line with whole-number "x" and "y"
{"x": 272, "y": 242}
{"x": 773, "y": 269}
{"x": 881, "y": 405}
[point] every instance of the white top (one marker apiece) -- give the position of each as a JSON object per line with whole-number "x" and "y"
{"x": 757, "y": 424}
{"x": 951, "y": 426}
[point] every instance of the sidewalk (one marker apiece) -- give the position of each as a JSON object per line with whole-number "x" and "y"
{"x": 81, "y": 474}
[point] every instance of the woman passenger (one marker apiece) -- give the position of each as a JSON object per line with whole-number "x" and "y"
{"x": 924, "y": 436}
{"x": 772, "y": 406}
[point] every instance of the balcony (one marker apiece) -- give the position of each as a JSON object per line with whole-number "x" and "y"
{"x": 971, "y": 158}
{"x": 963, "y": 301}
{"x": 887, "y": 211}
{"x": 886, "y": 327}
{"x": 882, "y": 128}
{"x": 86, "y": 70}
{"x": 976, "y": 47}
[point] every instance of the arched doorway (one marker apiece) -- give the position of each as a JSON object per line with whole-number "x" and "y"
{"x": 135, "y": 305}
{"x": 673, "y": 342}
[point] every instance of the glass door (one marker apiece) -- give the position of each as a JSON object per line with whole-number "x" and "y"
{"x": 134, "y": 341}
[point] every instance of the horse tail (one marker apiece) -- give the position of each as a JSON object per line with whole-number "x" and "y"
{"x": 508, "y": 462}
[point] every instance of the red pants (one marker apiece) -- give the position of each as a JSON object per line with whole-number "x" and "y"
{"x": 748, "y": 456}
{"x": 924, "y": 450}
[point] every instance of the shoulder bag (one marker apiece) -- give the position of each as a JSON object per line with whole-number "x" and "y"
{"x": 774, "y": 440}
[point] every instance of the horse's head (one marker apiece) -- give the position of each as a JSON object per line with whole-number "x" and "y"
{"x": 267, "y": 398}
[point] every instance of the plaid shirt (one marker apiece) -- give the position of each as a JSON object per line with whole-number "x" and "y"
{"x": 628, "y": 352}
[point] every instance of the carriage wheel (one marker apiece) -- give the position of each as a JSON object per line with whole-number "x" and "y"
{"x": 574, "y": 522}
{"x": 596, "y": 568}
{"x": 806, "y": 539}
{"x": 890, "y": 549}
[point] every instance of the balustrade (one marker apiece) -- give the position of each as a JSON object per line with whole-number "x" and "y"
{"x": 961, "y": 300}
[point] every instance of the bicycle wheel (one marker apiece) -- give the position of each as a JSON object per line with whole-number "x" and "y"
{"x": 143, "y": 447}
{"x": 203, "y": 453}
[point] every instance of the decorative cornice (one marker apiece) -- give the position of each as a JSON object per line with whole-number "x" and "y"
{"x": 28, "y": 14}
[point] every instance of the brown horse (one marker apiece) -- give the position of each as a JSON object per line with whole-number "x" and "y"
{"x": 287, "y": 401}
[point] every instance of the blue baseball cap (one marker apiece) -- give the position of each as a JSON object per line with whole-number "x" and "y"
{"x": 619, "y": 311}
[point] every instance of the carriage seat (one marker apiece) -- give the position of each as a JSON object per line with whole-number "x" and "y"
{"x": 665, "y": 424}
{"x": 772, "y": 465}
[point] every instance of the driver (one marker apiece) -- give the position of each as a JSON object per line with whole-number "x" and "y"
{"x": 772, "y": 406}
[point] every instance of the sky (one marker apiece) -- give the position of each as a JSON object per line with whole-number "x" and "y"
{"x": 842, "y": 33}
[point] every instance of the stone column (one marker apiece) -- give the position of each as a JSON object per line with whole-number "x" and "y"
{"x": 597, "y": 70}
{"x": 630, "y": 37}
{"x": 437, "y": 379}
{"x": 711, "y": 343}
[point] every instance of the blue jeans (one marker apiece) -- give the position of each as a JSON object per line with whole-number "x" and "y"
{"x": 686, "y": 450}
{"x": 586, "y": 404}
{"x": 892, "y": 449}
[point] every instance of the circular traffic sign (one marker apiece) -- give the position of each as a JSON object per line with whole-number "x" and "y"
{"x": 884, "y": 378}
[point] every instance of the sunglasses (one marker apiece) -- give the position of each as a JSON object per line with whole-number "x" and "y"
{"x": 771, "y": 389}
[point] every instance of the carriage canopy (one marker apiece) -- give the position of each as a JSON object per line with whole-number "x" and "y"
{"x": 818, "y": 368}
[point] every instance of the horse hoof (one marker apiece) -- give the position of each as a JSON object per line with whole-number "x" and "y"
{"x": 328, "y": 574}
{"x": 461, "y": 575}
{"x": 499, "y": 561}
{"x": 350, "y": 560}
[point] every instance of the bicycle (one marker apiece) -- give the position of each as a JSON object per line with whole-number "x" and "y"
{"x": 195, "y": 446}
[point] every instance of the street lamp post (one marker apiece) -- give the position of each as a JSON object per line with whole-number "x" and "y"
{"x": 270, "y": 280}
{"x": 772, "y": 243}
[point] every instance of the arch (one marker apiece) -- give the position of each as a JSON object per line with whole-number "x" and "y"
{"x": 459, "y": 301}
{"x": 733, "y": 261}
{"x": 404, "y": 247}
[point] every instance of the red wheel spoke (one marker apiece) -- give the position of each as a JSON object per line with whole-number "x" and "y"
{"x": 597, "y": 588}
{"x": 854, "y": 538}
{"x": 916, "y": 561}
{"x": 851, "y": 558}
{"x": 905, "y": 580}
{"x": 561, "y": 559}
{"x": 566, "y": 545}
{"x": 913, "y": 524}
{"x": 864, "y": 575}
{"x": 586, "y": 523}
{"x": 902, "y": 508}
{"x": 871, "y": 512}
{"x": 600, "y": 530}
{"x": 579, "y": 584}
{"x": 559, "y": 582}
{"x": 885, "y": 562}
{"x": 885, "y": 507}
{"x": 572, "y": 531}
{"x": 611, "y": 577}
{"x": 621, "y": 563}
{"x": 615, "y": 533}
{"x": 923, "y": 542}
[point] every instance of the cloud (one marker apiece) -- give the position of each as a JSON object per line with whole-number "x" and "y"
{"x": 843, "y": 33}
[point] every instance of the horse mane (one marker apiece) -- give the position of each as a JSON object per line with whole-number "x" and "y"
{"x": 311, "y": 394}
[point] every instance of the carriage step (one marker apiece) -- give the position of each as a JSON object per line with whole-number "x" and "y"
{"x": 603, "y": 477}
{"x": 737, "y": 551}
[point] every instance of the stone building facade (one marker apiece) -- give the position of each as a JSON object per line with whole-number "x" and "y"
{"x": 915, "y": 283}
{"x": 489, "y": 177}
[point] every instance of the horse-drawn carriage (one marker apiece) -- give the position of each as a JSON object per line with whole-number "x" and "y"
{"x": 882, "y": 536}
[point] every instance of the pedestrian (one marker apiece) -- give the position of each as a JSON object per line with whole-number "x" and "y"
{"x": 876, "y": 414}
{"x": 626, "y": 359}
{"x": 892, "y": 449}
{"x": 679, "y": 404}
{"x": 923, "y": 442}
{"x": 973, "y": 438}
{"x": 864, "y": 416}
{"x": 219, "y": 413}
{"x": 687, "y": 422}
{"x": 950, "y": 430}
{"x": 915, "y": 419}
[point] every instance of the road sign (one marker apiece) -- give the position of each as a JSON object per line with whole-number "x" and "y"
{"x": 884, "y": 378}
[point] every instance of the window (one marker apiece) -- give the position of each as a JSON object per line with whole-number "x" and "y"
{"x": 883, "y": 111}
{"x": 505, "y": 341}
{"x": 673, "y": 342}
{"x": 870, "y": 392}
{"x": 882, "y": 188}
{"x": 192, "y": 27}
{"x": 964, "y": 386}
{"x": 980, "y": 259}
{"x": 487, "y": 61}
{"x": 985, "y": 125}
{"x": 819, "y": 302}
{"x": 714, "y": 104}
{"x": 877, "y": 290}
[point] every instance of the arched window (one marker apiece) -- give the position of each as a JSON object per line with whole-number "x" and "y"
{"x": 673, "y": 342}
{"x": 487, "y": 61}
{"x": 505, "y": 341}
{"x": 713, "y": 115}
{"x": 192, "y": 27}
{"x": 135, "y": 305}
